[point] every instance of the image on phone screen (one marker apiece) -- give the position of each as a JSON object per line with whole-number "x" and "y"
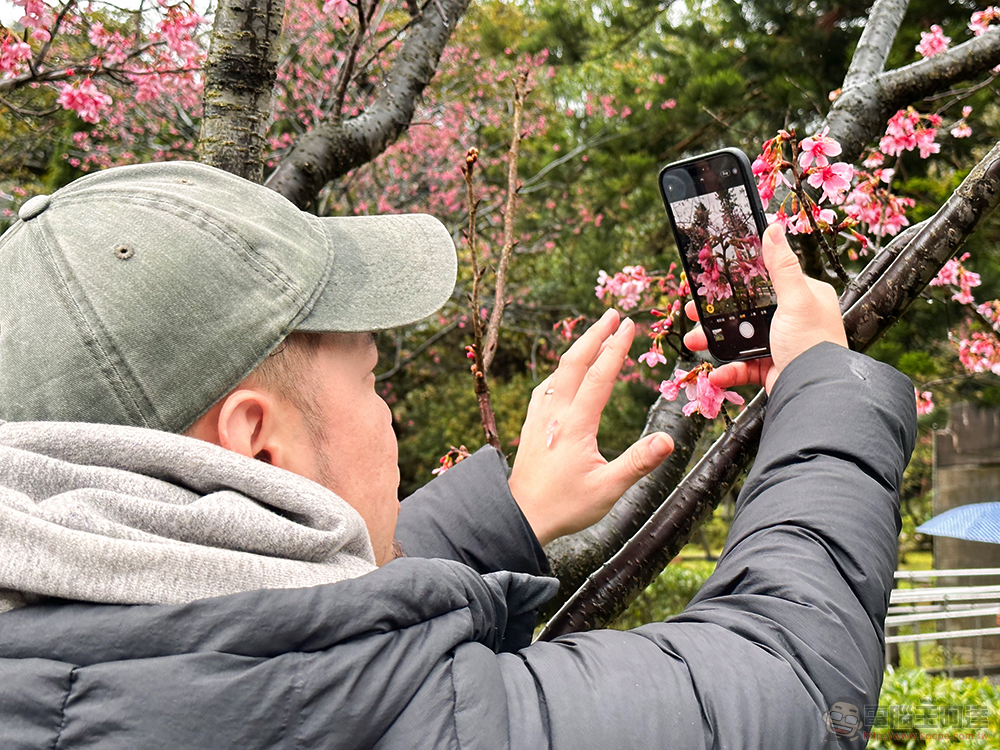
{"x": 719, "y": 238}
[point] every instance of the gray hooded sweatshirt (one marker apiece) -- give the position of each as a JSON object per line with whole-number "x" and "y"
{"x": 113, "y": 642}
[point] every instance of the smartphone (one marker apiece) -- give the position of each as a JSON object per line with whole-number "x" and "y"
{"x": 717, "y": 218}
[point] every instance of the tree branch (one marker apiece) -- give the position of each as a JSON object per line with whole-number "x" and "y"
{"x": 861, "y": 112}
{"x": 876, "y": 41}
{"x": 333, "y": 149}
{"x": 510, "y": 213}
{"x": 239, "y": 80}
{"x": 607, "y": 593}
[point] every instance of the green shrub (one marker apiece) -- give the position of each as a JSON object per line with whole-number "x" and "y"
{"x": 918, "y": 710}
{"x": 668, "y": 595}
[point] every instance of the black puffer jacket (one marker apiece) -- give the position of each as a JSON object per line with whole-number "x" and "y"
{"x": 412, "y": 655}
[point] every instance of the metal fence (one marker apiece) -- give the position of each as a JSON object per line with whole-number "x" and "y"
{"x": 964, "y": 621}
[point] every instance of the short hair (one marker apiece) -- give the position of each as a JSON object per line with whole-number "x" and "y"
{"x": 287, "y": 372}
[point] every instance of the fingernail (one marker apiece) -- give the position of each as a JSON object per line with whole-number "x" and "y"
{"x": 660, "y": 444}
{"x": 626, "y": 325}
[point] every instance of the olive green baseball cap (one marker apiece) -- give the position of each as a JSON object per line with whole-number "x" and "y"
{"x": 141, "y": 295}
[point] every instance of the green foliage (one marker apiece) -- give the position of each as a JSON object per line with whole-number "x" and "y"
{"x": 914, "y": 704}
{"x": 668, "y": 595}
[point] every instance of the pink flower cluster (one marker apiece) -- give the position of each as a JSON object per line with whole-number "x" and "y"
{"x": 980, "y": 353}
{"x": 337, "y": 6}
{"x": 13, "y": 53}
{"x": 991, "y": 312}
{"x": 832, "y": 178}
{"x": 956, "y": 275}
{"x": 449, "y": 459}
{"x": 961, "y": 128}
{"x": 882, "y": 212}
{"x": 713, "y": 285}
{"x": 769, "y": 167}
{"x": 703, "y": 397}
{"x": 84, "y": 99}
{"x": 933, "y": 42}
{"x": 658, "y": 331}
{"x": 925, "y": 401}
{"x": 982, "y": 19}
{"x": 907, "y": 131}
{"x": 627, "y": 285}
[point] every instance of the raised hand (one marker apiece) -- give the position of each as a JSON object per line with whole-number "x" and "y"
{"x": 560, "y": 480}
{"x": 808, "y": 313}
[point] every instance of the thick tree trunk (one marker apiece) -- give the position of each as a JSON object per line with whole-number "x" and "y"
{"x": 239, "y": 81}
{"x": 332, "y": 149}
{"x": 919, "y": 256}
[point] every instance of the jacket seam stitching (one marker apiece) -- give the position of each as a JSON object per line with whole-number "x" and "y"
{"x": 62, "y": 721}
{"x": 454, "y": 701}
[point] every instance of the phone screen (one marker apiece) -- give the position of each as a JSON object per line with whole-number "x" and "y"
{"x": 717, "y": 220}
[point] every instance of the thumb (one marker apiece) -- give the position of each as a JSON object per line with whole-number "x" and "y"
{"x": 636, "y": 462}
{"x": 782, "y": 265}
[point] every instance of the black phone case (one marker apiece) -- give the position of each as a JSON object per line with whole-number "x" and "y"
{"x": 723, "y": 351}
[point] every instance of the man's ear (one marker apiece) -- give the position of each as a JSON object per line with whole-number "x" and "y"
{"x": 247, "y": 422}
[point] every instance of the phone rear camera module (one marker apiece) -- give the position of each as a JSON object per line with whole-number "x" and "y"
{"x": 675, "y": 188}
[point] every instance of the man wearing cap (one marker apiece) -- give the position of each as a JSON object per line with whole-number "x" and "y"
{"x": 197, "y": 508}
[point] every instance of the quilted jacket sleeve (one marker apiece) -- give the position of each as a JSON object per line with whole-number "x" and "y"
{"x": 468, "y": 514}
{"x": 792, "y": 618}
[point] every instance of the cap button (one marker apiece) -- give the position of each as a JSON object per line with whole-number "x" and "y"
{"x": 32, "y": 207}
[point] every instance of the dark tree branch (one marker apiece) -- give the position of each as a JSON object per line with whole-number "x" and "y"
{"x": 240, "y": 74}
{"x": 333, "y": 149}
{"x": 347, "y": 70}
{"x": 861, "y": 111}
{"x": 608, "y": 592}
{"x": 935, "y": 241}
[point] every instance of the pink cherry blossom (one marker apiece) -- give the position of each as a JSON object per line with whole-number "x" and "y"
{"x": 818, "y": 148}
{"x": 654, "y": 356}
{"x": 13, "y": 53}
{"x": 900, "y": 134}
{"x": 703, "y": 397}
{"x": 991, "y": 311}
{"x": 339, "y": 7}
{"x": 925, "y": 142}
{"x": 875, "y": 159}
{"x": 954, "y": 274}
{"x": 933, "y": 42}
{"x": 980, "y": 353}
{"x": 961, "y": 129}
{"x": 85, "y": 100}
{"x": 925, "y": 401}
{"x": 981, "y": 20}
{"x": 628, "y": 285}
{"x": 835, "y": 179}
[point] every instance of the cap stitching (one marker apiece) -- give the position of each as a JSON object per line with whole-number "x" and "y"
{"x": 65, "y": 281}
{"x": 221, "y": 231}
{"x": 301, "y": 315}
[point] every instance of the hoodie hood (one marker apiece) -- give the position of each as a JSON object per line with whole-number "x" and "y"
{"x": 126, "y": 515}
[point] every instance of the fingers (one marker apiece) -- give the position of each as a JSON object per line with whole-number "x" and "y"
{"x": 636, "y": 462}
{"x": 695, "y": 340}
{"x": 733, "y": 374}
{"x": 582, "y": 355}
{"x": 596, "y": 387}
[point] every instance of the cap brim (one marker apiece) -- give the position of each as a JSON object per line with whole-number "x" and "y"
{"x": 388, "y": 271}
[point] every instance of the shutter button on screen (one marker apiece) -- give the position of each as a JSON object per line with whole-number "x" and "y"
{"x": 746, "y": 329}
